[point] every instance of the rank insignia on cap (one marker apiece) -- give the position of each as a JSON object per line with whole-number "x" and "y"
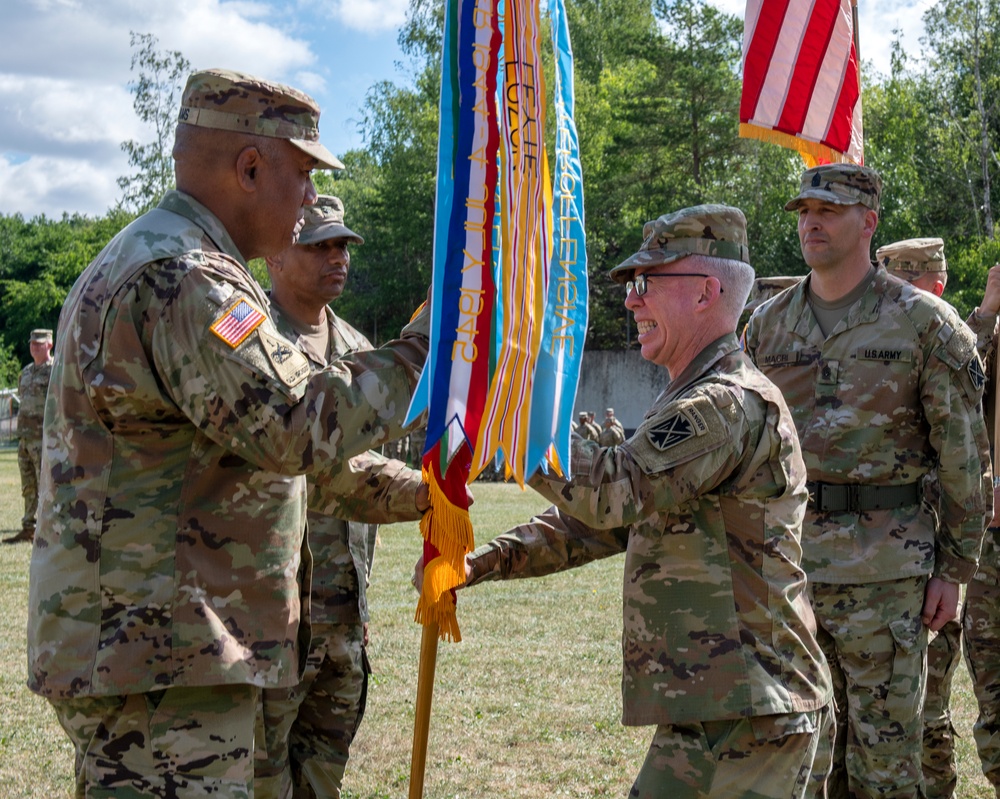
{"x": 976, "y": 373}
{"x": 237, "y": 323}
{"x": 677, "y": 428}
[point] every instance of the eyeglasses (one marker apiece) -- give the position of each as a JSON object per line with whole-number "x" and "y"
{"x": 638, "y": 283}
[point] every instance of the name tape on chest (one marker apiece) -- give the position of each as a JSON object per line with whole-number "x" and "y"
{"x": 884, "y": 354}
{"x": 234, "y": 325}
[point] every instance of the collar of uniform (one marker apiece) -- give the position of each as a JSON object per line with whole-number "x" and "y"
{"x": 177, "y": 202}
{"x": 865, "y": 310}
{"x": 703, "y": 361}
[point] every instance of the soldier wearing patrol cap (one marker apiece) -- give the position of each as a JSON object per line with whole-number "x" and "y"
{"x": 167, "y": 576}
{"x": 917, "y": 261}
{"x": 921, "y": 263}
{"x": 310, "y": 726}
{"x": 706, "y": 500}
{"x": 885, "y": 385}
{"x": 32, "y": 384}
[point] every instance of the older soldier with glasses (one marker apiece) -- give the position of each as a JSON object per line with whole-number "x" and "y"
{"x": 706, "y": 499}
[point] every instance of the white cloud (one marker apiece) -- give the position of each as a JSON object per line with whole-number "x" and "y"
{"x": 51, "y": 186}
{"x": 369, "y": 15}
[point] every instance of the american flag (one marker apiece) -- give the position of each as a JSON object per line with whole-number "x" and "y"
{"x": 801, "y": 82}
{"x": 240, "y": 321}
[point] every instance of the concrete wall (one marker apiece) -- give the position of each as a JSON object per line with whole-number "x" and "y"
{"x": 619, "y": 379}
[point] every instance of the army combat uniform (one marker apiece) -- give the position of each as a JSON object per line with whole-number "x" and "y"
{"x": 981, "y": 611}
{"x": 172, "y": 502}
{"x": 31, "y": 387}
{"x": 891, "y": 394}
{"x": 310, "y": 727}
{"x": 706, "y": 500}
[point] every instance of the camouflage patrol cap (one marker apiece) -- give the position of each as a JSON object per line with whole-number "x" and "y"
{"x": 41, "y": 334}
{"x": 913, "y": 257}
{"x": 766, "y": 287}
{"x": 841, "y": 184}
{"x": 719, "y": 231}
{"x": 325, "y": 220}
{"x": 225, "y": 100}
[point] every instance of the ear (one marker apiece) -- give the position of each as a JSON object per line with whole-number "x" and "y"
{"x": 248, "y": 164}
{"x": 938, "y": 288}
{"x": 870, "y": 223}
{"x": 711, "y": 289}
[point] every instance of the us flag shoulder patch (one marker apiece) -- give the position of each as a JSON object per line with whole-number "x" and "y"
{"x": 237, "y": 323}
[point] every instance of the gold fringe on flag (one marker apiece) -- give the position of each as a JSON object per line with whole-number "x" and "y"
{"x": 813, "y": 153}
{"x": 448, "y": 528}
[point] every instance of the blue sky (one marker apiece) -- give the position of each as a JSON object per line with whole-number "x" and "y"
{"x": 64, "y": 70}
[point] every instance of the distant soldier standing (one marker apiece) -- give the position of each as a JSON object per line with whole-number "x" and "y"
{"x": 310, "y": 726}
{"x": 885, "y": 386}
{"x": 32, "y": 386}
{"x": 612, "y": 432}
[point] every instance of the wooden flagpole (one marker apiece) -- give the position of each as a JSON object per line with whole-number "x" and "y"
{"x": 422, "y": 709}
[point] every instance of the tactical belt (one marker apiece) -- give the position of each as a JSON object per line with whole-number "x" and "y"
{"x": 856, "y": 498}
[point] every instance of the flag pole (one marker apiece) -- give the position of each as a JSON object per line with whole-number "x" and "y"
{"x": 422, "y": 709}
{"x": 857, "y": 34}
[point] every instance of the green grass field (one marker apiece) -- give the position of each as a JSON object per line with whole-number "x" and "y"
{"x": 527, "y": 705}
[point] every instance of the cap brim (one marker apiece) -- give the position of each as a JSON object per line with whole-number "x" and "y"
{"x": 819, "y": 194}
{"x": 327, "y": 160}
{"x": 331, "y": 230}
{"x": 624, "y": 270}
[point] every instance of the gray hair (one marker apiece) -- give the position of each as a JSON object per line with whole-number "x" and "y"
{"x": 735, "y": 276}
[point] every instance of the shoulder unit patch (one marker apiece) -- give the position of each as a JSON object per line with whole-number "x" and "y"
{"x": 675, "y": 429}
{"x": 976, "y": 373}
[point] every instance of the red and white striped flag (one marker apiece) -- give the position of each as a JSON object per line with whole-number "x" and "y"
{"x": 801, "y": 82}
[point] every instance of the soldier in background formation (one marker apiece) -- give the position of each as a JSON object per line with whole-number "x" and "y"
{"x": 310, "y": 726}
{"x": 587, "y": 429}
{"x": 612, "y": 432}
{"x": 885, "y": 385}
{"x": 32, "y": 386}
{"x": 167, "y": 575}
{"x": 736, "y": 685}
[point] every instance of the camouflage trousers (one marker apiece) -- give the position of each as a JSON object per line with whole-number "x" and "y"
{"x": 29, "y": 462}
{"x": 310, "y": 727}
{"x": 981, "y": 626}
{"x": 876, "y": 646}
{"x": 944, "y": 653}
{"x": 765, "y": 757}
{"x": 179, "y": 742}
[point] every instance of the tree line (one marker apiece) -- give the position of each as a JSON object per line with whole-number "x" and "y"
{"x": 658, "y": 90}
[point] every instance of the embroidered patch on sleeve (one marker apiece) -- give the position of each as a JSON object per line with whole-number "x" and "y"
{"x": 237, "y": 323}
{"x": 677, "y": 428}
{"x": 976, "y": 373}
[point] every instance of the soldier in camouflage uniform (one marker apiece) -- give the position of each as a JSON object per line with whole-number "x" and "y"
{"x": 706, "y": 500}
{"x": 981, "y": 613}
{"x": 885, "y": 385}
{"x": 612, "y": 432}
{"x": 585, "y": 429}
{"x": 921, "y": 263}
{"x": 31, "y": 387}
{"x": 310, "y": 726}
{"x": 168, "y": 573}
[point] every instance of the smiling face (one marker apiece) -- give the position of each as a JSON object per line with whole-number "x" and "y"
{"x": 664, "y": 313}
{"x": 831, "y": 235}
